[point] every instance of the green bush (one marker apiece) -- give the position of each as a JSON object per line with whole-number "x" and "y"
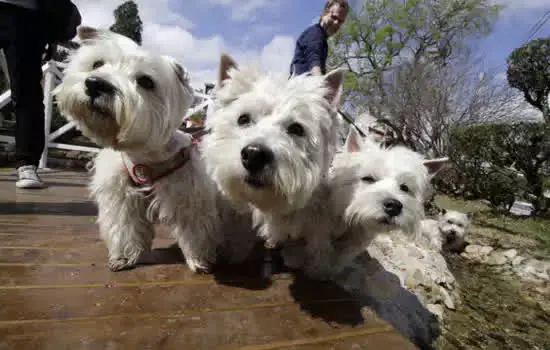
{"x": 499, "y": 162}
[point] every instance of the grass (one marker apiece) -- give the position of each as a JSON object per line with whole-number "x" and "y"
{"x": 503, "y": 230}
{"x": 499, "y": 311}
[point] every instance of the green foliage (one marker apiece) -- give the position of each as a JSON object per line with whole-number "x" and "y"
{"x": 127, "y": 21}
{"x": 529, "y": 72}
{"x": 376, "y": 39}
{"x": 498, "y": 162}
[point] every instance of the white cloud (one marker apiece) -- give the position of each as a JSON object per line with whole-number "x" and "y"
{"x": 242, "y": 10}
{"x": 169, "y": 33}
{"x": 276, "y": 55}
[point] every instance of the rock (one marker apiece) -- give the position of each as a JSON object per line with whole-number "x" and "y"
{"x": 473, "y": 249}
{"x": 485, "y": 250}
{"x": 517, "y": 260}
{"x": 420, "y": 268}
{"x": 533, "y": 269}
{"x": 447, "y": 300}
{"x": 510, "y": 254}
{"x": 436, "y": 309}
{"x": 497, "y": 259}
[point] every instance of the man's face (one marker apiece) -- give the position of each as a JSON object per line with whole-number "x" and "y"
{"x": 333, "y": 19}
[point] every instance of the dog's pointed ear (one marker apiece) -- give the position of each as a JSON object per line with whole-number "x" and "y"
{"x": 443, "y": 211}
{"x": 226, "y": 63}
{"x": 435, "y": 165}
{"x": 87, "y": 33}
{"x": 335, "y": 84}
{"x": 353, "y": 141}
{"x": 470, "y": 215}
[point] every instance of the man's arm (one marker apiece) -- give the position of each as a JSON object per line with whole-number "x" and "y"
{"x": 316, "y": 70}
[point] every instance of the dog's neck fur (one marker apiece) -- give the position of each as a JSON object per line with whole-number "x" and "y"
{"x": 322, "y": 206}
{"x": 174, "y": 154}
{"x": 178, "y": 141}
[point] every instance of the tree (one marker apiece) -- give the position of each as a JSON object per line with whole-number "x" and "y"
{"x": 386, "y": 42}
{"x": 128, "y": 22}
{"x": 529, "y": 72}
{"x": 424, "y": 101}
{"x": 501, "y": 161}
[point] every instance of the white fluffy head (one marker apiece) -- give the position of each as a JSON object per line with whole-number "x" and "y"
{"x": 121, "y": 96}
{"x": 454, "y": 226}
{"x": 271, "y": 138}
{"x": 381, "y": 188}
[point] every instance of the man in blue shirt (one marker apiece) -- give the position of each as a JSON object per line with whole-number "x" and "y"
{"x": 311, "y": 50}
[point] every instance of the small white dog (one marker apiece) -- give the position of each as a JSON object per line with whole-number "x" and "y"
{"x": 132, "y": 102}
{"x": 271, "y": 138}
{"x": 370, "y": 190}
{"x": 448, "y": 232}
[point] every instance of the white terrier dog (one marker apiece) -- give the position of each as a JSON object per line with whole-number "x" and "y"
{"x": 448, "y": 232}
{"x": 271, "y": 138}
{"x": 370, "y": 190}
{"x": 131, "y": 103}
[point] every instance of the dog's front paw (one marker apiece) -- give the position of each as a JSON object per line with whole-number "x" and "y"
{"x": 119, "y": 264}
{"x": 199, "y": 265}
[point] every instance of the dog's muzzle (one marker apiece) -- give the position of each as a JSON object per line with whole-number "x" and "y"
{"x": 392, "y": 207}
{"x": 96, "y": 87}
{"x": 256, "y": 157}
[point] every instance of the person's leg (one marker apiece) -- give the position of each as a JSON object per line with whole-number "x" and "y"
{"x": 24, "y": 56}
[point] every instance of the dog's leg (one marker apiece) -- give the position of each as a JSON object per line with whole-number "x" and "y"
{"x": 348, "y": 247}
{"x": 198, "y": 247}
{"x": 122, "y": 220}
{"x": 124, "y": 228}
{"x": 318, "y": 251}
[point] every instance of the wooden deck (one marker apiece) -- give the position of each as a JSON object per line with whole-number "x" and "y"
{"x": 57, "y": 293}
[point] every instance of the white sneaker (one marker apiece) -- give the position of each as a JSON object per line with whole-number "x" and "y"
{"x": 28, "y": 178}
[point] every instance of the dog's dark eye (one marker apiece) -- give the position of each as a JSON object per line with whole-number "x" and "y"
{"x": 404, "y": 188}
{"x": 450, "y": 222}
{"x": 368, "y": 179}
{"x": 244, "y": 119}
{"x": 145, "y": 82}
{"x": 98, "y": 64}
{"x": 459, "y": 225}
{"x": 296, "y": 129}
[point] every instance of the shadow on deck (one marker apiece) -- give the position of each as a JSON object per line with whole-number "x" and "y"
{"x": 56, "y": 291}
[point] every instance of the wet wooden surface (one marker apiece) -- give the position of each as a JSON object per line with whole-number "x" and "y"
{"x": 57, "y": 293}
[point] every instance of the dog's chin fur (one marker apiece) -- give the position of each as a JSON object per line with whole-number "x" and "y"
{"x": 139, "y": 122}
{"x": 272, "y": 103}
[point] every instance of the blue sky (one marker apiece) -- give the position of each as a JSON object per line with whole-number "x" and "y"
{"x": 263, "y": 31}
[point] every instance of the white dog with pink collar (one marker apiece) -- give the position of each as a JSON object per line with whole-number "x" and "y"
{"x": 131, "y": 103}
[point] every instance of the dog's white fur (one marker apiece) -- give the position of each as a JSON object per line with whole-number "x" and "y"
{"x": 348, "y": 211}
{"x": 291, "y": 120}
{"x": 139, "y": 120}
{"x": 448, "y": 232}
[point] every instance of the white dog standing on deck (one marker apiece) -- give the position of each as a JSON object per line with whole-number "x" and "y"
{"x": 271, "y": 139}
{"x": 132, "y": 102}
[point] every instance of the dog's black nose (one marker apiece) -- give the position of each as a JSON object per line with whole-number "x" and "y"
{"x": 393, "y": 207}
{"x": 96, "y": 87}
{"x": 255, "y": 157}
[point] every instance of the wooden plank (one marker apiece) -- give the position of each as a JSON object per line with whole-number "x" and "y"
{"x": 58, "y": 293}
{"x": 283, "y": 327}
